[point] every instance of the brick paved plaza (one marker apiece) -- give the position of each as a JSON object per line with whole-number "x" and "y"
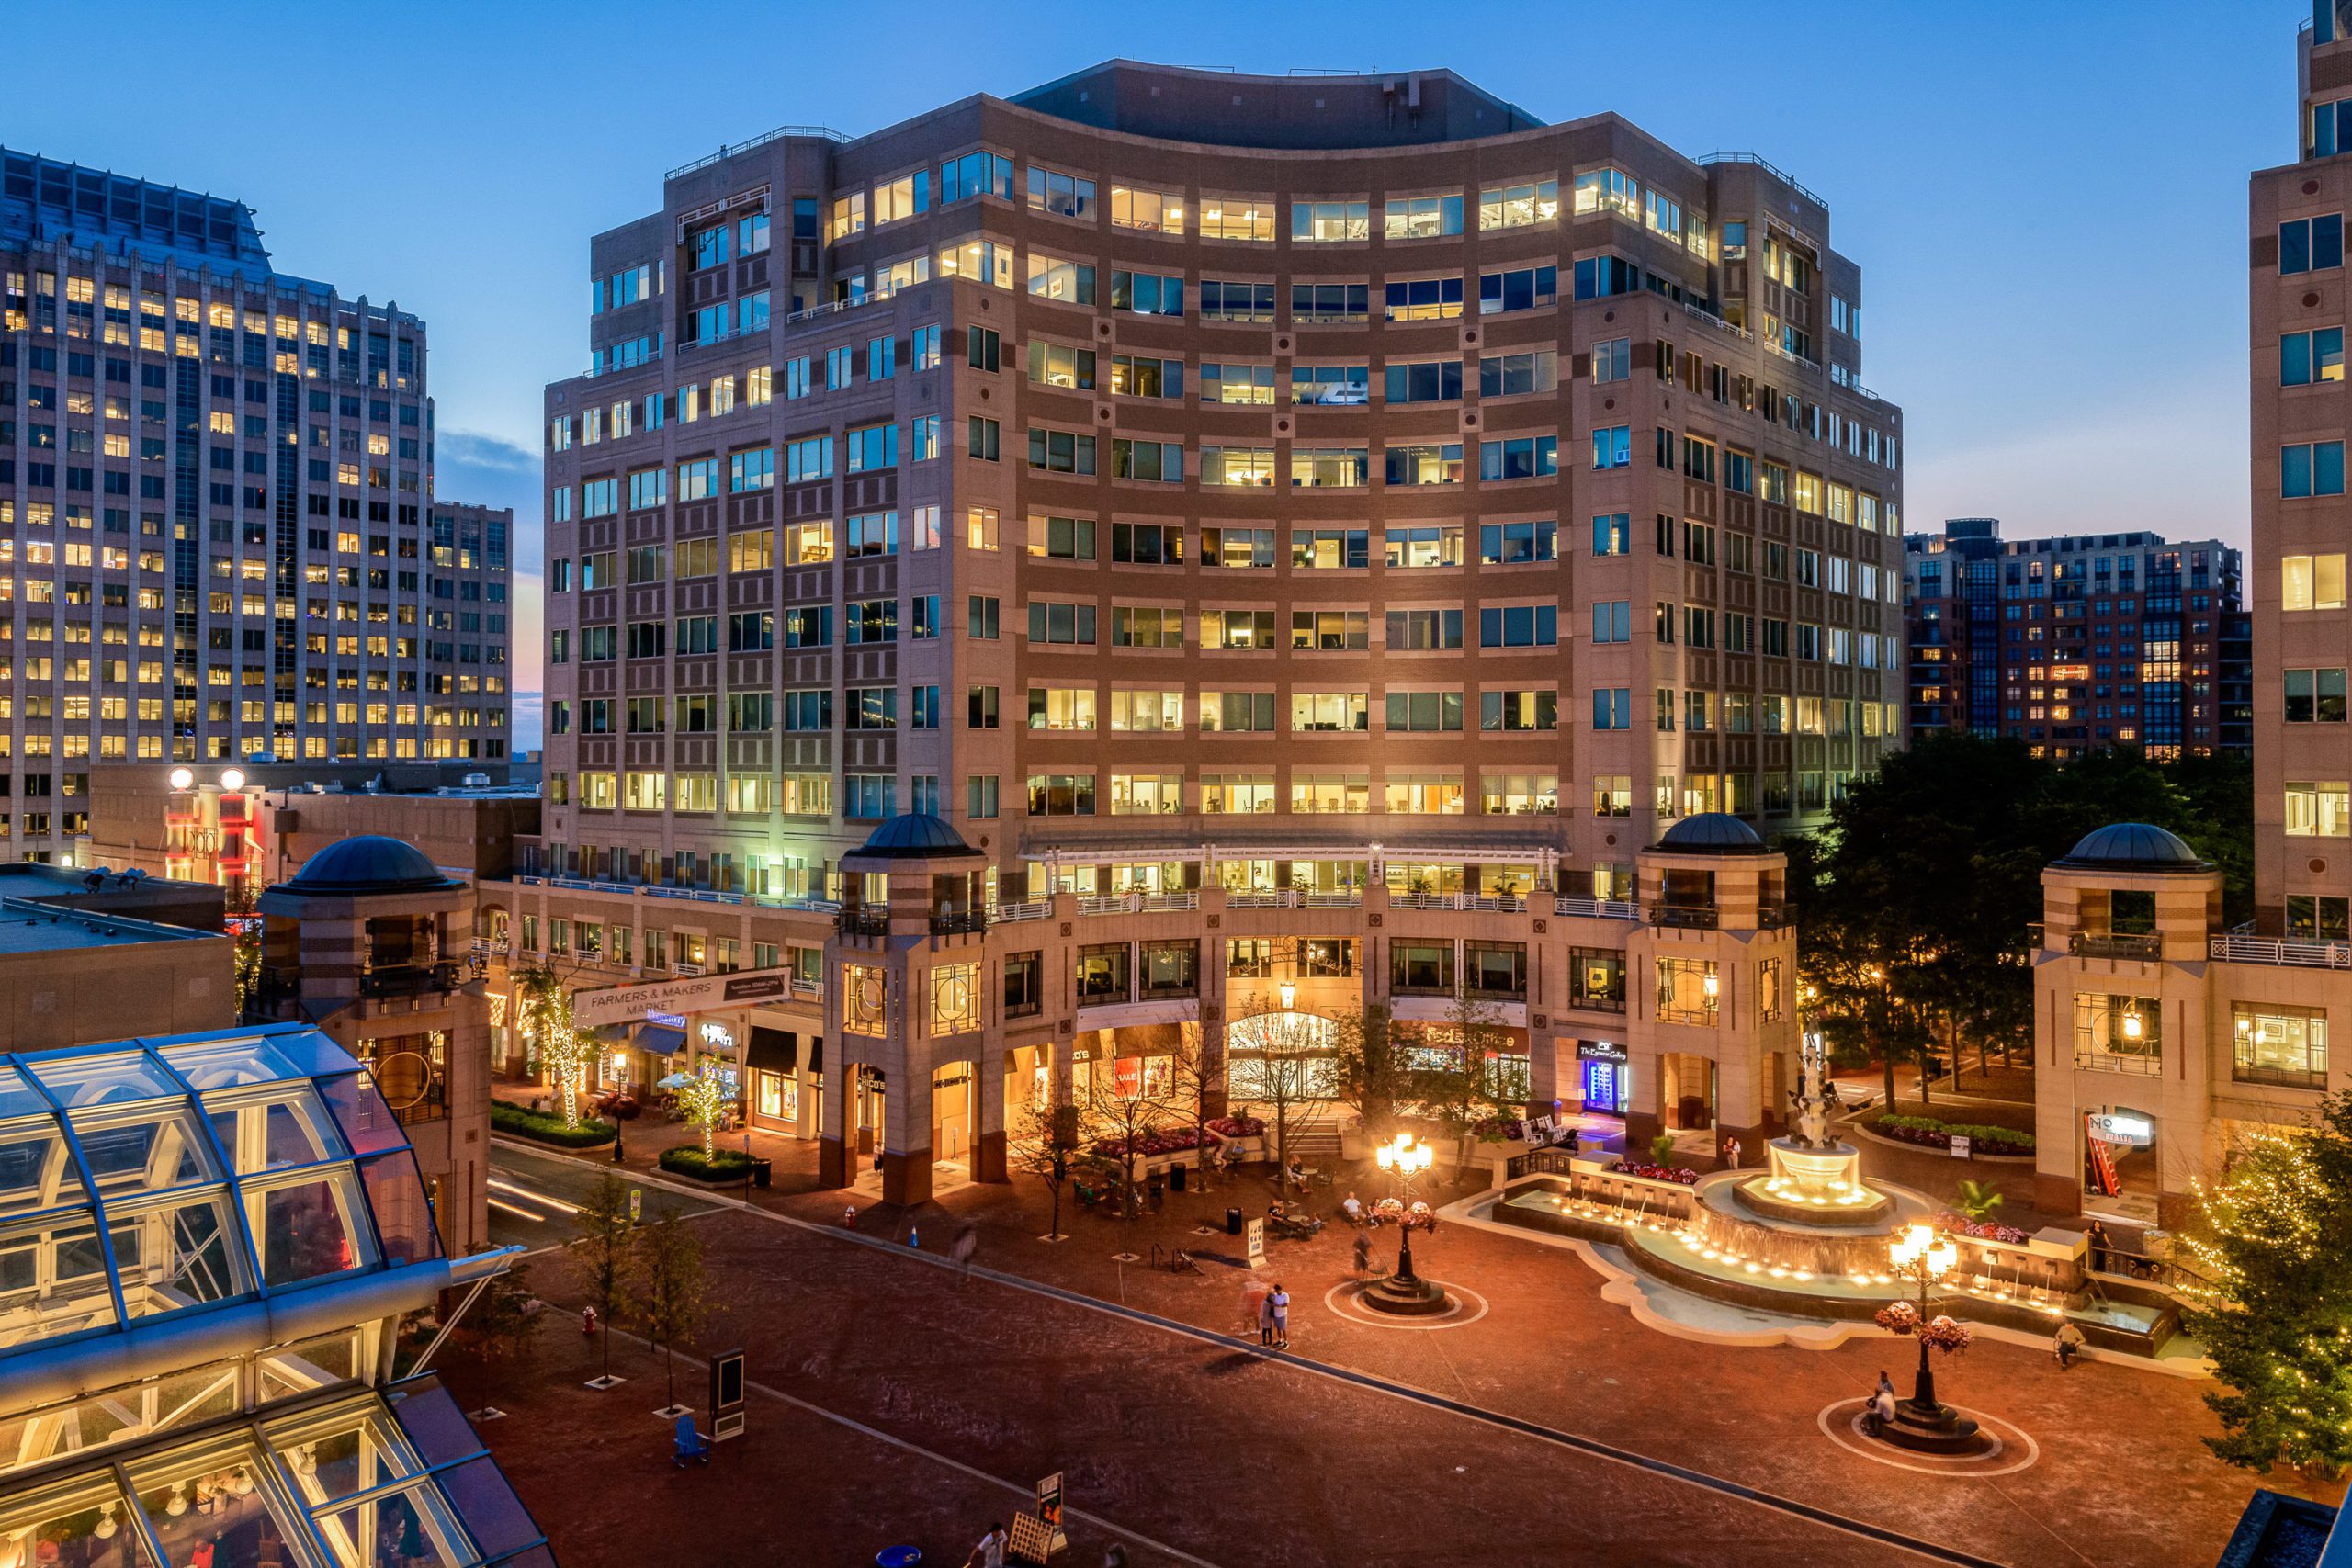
{"x": 896, "y": 1402}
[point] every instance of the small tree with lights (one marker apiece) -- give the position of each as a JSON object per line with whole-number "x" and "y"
{"x": 703, "y": 1098}
{"x": 546, "y": 1021}
{"x": 2274, "y": 1310}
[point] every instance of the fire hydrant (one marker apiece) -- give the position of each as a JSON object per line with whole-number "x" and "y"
{"x": 588, "y": 1322}
{"x": 849, "y": 1219}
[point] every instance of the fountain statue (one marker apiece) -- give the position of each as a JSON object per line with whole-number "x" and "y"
{"x": 1813, "y": 1099}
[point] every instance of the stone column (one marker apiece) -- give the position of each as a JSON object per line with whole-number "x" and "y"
{"x": 906, "y": 1135}
{"x": 987, "y": 1110}
{"x": 832, "y": 1131}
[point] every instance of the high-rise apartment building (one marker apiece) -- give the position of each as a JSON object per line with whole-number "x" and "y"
{"x": 2075, "y": 643}
{"x": 217, "y": 521}
{"x": 1166, "y": 468}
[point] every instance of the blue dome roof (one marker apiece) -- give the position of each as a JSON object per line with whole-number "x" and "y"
{"x": 2138, "y": 846}
{"x": 913, "y": 836}
{"x": 1710, "y": 833}
{"x": 370, "y": 863}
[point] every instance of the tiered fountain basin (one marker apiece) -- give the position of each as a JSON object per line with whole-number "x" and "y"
{"x": 1815, "y": 1187}
{"x": 1827, "y": 1261}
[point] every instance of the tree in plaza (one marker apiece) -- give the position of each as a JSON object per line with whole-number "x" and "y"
{"x": 704, "y": 1101}
{"x": 2274, "y": 1312}
{"x": 1288, "y": 1065}
{"x": 1051, "y": 1135}
{"x": 1460, "y": 1081}
{"x": 501, "y": 1319}
{"x": 546, "y": 1021}
{"x": 600, "y": 1253}
{"x": 665, "y": 1288}
{"x": 1126, "y": 1115}
{"x": 1371, "y": 1065}
{"x": 1196, "y": 1070}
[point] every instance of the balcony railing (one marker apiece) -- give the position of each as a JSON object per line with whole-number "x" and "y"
{"x": 2114, "y": 944}
{"x": 1493, "y": 903}
{"x": 1774, "y": 917}
{"x": 414, "y": 979}
{"x": 1689, "y": 917}
{"x": 1598, "y": 909}
{"x": 2278, "y": 1077}
{"x": 2303, "y": 953}
{"x": 1597, "y": 1004}
{"x": 958, "y": 923}
{"x": 1137, "y": 903}
{"x": 866, "y": 919}
{"x": 1035, "y": 909}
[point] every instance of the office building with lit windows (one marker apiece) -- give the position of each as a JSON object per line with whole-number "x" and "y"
{"x": 2075, "y": 643}
{"x": 217, "y": 520}
{"x": 1176, "y": 482}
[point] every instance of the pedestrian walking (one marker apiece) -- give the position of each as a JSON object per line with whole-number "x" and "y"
{"x": 1731, "y": 1153}
{"x": 1280, "y": 1303}
{"x": 990, "y": 1552}
{"x": 1363, "y": 1253}
{"x": 967, "y": 1241}
{"x": 2066, "y": 1344}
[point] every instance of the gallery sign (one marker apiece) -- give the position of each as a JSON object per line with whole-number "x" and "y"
{"x": 627, "y": 1004}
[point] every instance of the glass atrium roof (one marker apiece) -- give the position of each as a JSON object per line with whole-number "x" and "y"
{"x": 361, "y": 1479}
{"x": 146, "y": 1177}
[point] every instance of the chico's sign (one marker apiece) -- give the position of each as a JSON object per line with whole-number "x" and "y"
{"x": 627, "y": 1004}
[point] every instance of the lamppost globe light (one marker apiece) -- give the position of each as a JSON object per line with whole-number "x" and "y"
{"x": 181, "y": 778}
{"x": 232, "y": 779}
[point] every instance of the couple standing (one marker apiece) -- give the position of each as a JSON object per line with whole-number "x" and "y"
{"x": 1273, "y": 1318}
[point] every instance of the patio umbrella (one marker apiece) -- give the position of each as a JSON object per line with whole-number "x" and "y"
{"x": 675, "y": 1080}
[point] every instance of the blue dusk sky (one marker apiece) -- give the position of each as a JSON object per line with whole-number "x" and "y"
{"x": 2047, "y": 200}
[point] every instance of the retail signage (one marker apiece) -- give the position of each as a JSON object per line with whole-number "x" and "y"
{"x": 2121, "y": 1127}
{"x": 726, "y": 1396}
{"x": 1257, "y": 1244}
{"x": 719, "y": 1036}
{"x": 1601, "y": 1051}
{"x": 704, "y": 993}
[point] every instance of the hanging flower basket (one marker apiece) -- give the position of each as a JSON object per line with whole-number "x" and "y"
{"x": 1945, "y": 1334}
{"x": 1898, "y": 1317}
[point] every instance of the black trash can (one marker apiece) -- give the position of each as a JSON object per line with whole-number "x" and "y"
{"x": 760, "y": 1173}
{"x": 1233, "y": 1222}
{"x": 1176, "y": 1177}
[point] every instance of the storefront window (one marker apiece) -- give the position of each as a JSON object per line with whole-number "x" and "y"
{"x": 1597, "y": 978}
{"x": 2276, "y": 1043}
{"x": 1687, "y": 991}
{"x": 779, "y": 1096}
{"x": 1325, "y": 958}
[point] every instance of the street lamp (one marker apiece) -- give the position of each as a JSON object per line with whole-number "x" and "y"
{"x": 233, "y": 780}
{"x": 183, "y": 777}
{"x": 1404, "y": 1160}
{"x": 1288, "y": 991}
{"x": 1926, "y": 1257}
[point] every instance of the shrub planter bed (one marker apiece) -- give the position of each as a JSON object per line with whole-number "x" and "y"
{"x": 1930, "y": 1134}
{"x": 728, "y": 1165}
{"x": 544, "y": 1129}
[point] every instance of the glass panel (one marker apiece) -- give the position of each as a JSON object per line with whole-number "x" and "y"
{"x": 304, "y": 1228}
{"x": 433, "y": 1421}
{"x": 144, "y": 1150}
{"x": 404, "y": 1217}
{"x": 177, "y": 1253}
{"x": 312, "y": 1363}
{"x": 181, "y": 1399}
{"x": 406, "y": 1530}
{"x": 37, "y": 1170}
{"x": 228, "y": 1064}
{"x": 52, "y": 1279}
{"x": 335, "y": 1453}
{"x": 114, "y": 1077}
{"x": 17, "y": 1096}
{"x": 359, "y": 1110}
{"x": 78, "y": 1524}
{"x": 211, "y": 1495}
{"x": 286, "y": 1126}
{"x": 486, "y": 1502}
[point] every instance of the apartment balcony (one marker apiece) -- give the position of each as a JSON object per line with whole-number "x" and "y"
{"x": 1685, "y": 916}
{"x": 863, "y": 920}
{"x": 417, "y": 979}
{"x": 2147, "y": 948}
{"x": 1293, "y": 898}
{"x": 1035, "y": 909}
{"x": 1492, "y": 903}
{"x": 1598, "y": 909}
{"x": 959, "y": 923}
{"x": 1774, "y": 917}
{"x": 1138, "y": 903}
{"x": 2304, "y": 953}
